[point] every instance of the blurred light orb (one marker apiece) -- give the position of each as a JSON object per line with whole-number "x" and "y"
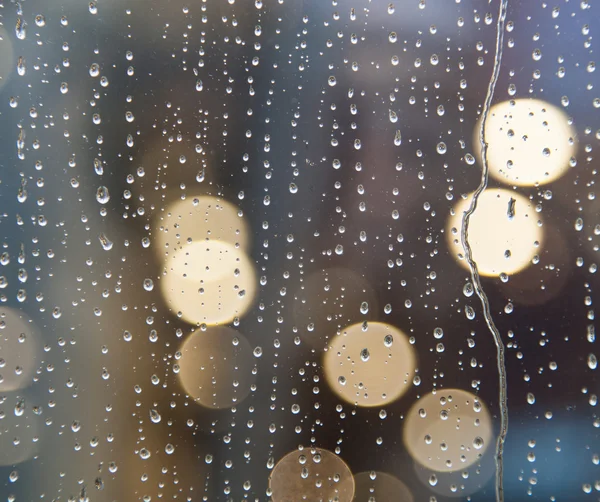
{"x": 504, "y": 233}
{"x": 462, "y": 483}
{"x": 311, "y": 474}
{"x": 381, "y": 487}
{"x": 530, "y": 142}
{"x": 19, "y": 349}
{"x": 19, "y": 428}
{"x": 448, "y": 430}
{"x": 215, "y": 367}
{"x": 209, "y": 283}
{"x": 202, "y": 218}
{"x": 370, "y": 364}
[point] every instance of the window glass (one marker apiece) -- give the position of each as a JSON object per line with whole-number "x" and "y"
{"x": 299, "y": 250}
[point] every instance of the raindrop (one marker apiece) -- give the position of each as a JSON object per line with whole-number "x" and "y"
{"x": 106, "y": 243}
{"x": 102, "y": 195}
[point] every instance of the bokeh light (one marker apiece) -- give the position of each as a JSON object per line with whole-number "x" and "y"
{"x": 20, "y": 427}
{"x": 448, "y": 430}
{"x": 198, "y": 219}
{"x": 504, "y": 232}
{"x": 530, "y": 142}
{"x": 216, "y": 367}
{"x": 311, "y": 474}
{"x": 209, "y": 282}
{"x": 370, "y": 364}
{"x": 462, "y": 483}
{"x": 380, "y": 487}
{"x": 19, "y": 349}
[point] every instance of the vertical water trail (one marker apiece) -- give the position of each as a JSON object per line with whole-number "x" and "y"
{"x": 473, "y": 266}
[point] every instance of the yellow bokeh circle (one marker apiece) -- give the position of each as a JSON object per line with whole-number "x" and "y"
{"x": 369, "y": 364}
{"x": 530, "y": 142}
{"x": 199, "y": 219}
{"x": 311, "y": 474}
{"x": 504, "y": 232}
{"x": 209, "y": 282}
{"x": 216, "y": 367}
{"x": 381, "y": 487}
{"x": 448, "y": 430}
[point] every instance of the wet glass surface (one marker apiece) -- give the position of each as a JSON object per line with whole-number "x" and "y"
{"x": 256, "y": 251}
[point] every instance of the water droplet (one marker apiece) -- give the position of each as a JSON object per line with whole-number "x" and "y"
{"x": 364, "y": 354}
{"x": 106, "y": 243}
{"x": 148, "y": 284}
{"x": 102, "y": 195}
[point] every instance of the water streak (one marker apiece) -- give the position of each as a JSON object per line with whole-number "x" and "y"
{"x": 473, "y": 266}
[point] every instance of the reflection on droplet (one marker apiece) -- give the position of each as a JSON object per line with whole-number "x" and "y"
{"x": 197, "y": 219}
{"x": 209, "y": 282}
{"x": 19, "y": 349}
{"x": 311, "y": 474}
{"x": 452, "y": 434}
{"x": 215, "y": 367}
{"x": 530, "y": 142}
{"x": 380, "y": 487}
{"x": 520, "y": 234}
{"x": 373, "y": 373}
